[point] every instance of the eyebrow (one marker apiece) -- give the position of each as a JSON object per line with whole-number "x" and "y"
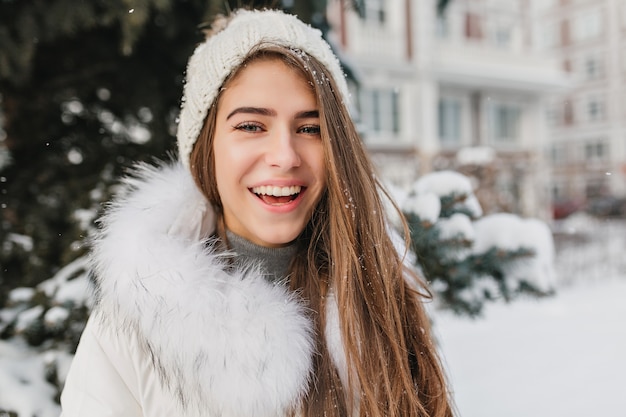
{"x": 307, "y": 114}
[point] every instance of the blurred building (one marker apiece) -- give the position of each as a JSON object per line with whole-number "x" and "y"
{"x": 463, "y": 91}
{"x": 587, "y": 123}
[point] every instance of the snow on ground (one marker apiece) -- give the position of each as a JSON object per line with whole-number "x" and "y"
{"x": 564, "y": 356}
{"x": 553, "y": 357}
{"x": 32, "y": 396}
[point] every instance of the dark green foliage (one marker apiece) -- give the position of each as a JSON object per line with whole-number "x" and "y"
{"x": 464, "y": 280}
{"x": 451, "y": 204}
{"x": 75, "y": 78}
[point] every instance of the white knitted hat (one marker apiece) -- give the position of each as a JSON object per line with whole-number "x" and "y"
{"x": 214, "y": 59}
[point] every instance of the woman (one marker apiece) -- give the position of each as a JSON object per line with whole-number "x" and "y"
{"x": 257, "y": 275}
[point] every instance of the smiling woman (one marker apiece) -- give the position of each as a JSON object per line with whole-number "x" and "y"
{"x": 257, "y": 275}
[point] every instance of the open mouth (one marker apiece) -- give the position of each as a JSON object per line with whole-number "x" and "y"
{"x": 275, "y": 195}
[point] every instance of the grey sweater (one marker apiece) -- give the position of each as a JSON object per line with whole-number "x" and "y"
{"x": 274, "y": 262}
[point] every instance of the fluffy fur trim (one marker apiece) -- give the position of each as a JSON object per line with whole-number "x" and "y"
{"x": 225, "y": 343}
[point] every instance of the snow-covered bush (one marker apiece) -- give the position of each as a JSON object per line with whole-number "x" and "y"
{"x": 511, "y": 232}
{"x": 39, "y": 331}
{"x": 467, "y": 258}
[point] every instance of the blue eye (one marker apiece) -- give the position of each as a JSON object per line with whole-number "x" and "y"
{"x": 310, "y": 130}
{"x": 249, "y": 127}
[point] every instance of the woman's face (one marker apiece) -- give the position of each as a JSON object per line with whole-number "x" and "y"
{"x": 269, "y": 159}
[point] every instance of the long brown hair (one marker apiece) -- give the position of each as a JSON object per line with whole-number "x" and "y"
{"x": 346, "y": 252}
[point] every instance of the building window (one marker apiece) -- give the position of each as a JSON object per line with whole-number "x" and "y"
{"x": 596, "y": 151}
{"x": 501, "y": 30}
{"x": 554, "y": 115}
{"x": 504, "y": 122}
{"x": 593, "y": 68}
{"x": 449, "y": 121}
{"x": 380, "y": 110}
{"x": 587, "y": 25}
{"x": 502, "y": 36}
{"x": 374, "y": 11}
{"x": 595, "y": 109}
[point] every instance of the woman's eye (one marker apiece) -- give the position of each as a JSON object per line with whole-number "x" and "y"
{"x": 249, "y": 127}
{"x": 310, "y": 130}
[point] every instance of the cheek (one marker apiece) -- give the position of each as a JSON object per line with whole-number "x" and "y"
{"x": 319, "y": 165}
{"x": 218, "y": 161}
{"x": 224, "y": 166}
{"x": 231, "y": 162}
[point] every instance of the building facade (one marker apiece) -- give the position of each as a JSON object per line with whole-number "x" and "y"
{"x": 587, "y": 123}
{"x": 465, "y": 90}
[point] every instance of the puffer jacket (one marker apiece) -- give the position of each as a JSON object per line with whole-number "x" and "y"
{"x": 175, "y": 332}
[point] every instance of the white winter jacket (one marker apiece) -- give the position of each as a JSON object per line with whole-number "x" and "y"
{"x": 176, "y": 333}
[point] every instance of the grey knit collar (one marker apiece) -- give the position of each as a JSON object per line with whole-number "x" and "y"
{"x": 274, "y": 262}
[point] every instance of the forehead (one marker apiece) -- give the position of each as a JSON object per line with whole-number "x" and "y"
{"x": 266, "y": 80}
{"x": 269, "y": 61}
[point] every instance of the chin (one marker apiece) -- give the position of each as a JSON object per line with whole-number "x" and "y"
{"x": 281, "y": 239}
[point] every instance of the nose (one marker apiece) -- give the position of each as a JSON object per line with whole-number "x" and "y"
{"x": 282, "y": 152}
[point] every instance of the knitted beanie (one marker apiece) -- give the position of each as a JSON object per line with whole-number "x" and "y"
{"x": 220, "y": 54}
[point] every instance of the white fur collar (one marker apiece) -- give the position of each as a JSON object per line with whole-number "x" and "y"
{"x": 225, "y": 343}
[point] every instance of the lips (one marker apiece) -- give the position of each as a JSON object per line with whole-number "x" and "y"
{"x": 277, "y": 195}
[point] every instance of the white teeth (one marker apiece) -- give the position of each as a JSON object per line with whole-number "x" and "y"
{"x": 277, "y": 191}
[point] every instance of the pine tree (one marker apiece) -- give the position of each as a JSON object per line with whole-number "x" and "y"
{"x": 443, "y": 215}
{"x": 86, "y": 87}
